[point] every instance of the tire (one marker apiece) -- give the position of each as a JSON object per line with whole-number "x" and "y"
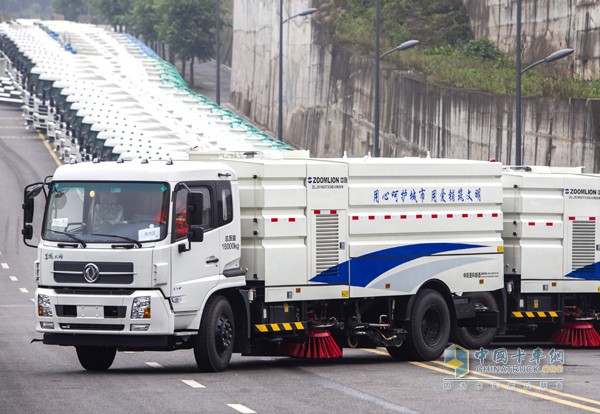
{"x": 214, "y": 343}
{"x": 477, "y": 337}
{"x": 398, "y": 352}
{"x": 96, "y": 358}
{"x": 428, "y": 331}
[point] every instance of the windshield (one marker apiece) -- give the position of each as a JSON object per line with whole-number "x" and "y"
{"x": 106, "y": 212}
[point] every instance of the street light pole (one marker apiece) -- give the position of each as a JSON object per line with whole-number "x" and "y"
{"x": 280, "y": 98}
{"x": 218, "y": 53}
{"x": 559, "y": 54}
{"x": 518, "y": 92}
{"x": 406, "y": 45}
{"x": 377, "y": 58}
{"x": 280, "y": 102}
{"x": 281, "y": 23}
{"x": 520, "y": 71}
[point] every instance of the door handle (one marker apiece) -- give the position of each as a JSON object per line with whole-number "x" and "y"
{"x": 211, "y": 260}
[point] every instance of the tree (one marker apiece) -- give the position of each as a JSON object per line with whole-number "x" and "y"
{"x": 71, "y": 9}
{"x": 114, "y": 12}
{"x": 188, "y": 27}
{"x": 145, "y": 20}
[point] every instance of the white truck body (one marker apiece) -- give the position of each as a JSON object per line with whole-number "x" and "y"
{"x": 325, "y": 229}
{"x": 281, "y": 239}
{"x": 298, "y": 244}
{"x": 551, "y": 229}
{"x": 369, "y": 227}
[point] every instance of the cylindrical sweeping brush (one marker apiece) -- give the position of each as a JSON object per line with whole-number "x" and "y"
{"x": 319, "y": 345}
{"x": 577, "y": 334}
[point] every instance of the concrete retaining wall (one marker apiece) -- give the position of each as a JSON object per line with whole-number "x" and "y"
{"x": 329, "y": 94}
{"x": 547, "y": 26}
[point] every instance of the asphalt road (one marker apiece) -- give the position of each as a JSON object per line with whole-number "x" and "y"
{"x": 48, "y": 379}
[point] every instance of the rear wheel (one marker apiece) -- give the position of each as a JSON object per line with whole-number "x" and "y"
{"x": 96, "y": 358}
{"x": 477, "y": 337}
{"x": 214, "y": 343}
{"x": 429, "y": 328}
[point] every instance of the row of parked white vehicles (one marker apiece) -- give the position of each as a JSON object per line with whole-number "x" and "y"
{"x": 105, "y": 95}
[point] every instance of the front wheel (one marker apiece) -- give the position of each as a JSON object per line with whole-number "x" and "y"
{"x": 429, "y": 328}
{"x": 214, "y": 343}
{"x": 96, "y": 358}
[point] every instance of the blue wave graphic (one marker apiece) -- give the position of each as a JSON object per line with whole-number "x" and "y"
{"x": 589, "y": 272}
{"x": 364, "y": 269}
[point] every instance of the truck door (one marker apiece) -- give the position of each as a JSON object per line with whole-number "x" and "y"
{"x": 194, "y": 272}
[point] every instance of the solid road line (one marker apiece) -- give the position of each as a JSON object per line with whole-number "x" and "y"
{"x": 506, "y": 387}
{"x": 47, "y": 145}
{"x": 562, "y": 394}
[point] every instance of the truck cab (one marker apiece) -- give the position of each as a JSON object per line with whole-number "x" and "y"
{"x": 130, "y": 252}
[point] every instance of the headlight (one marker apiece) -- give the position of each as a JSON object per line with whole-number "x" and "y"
{"x": 44, "y": 306}
{"x": 141, "y": 308}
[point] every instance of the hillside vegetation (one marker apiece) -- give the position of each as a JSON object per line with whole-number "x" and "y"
{"x": 447, "y": 54}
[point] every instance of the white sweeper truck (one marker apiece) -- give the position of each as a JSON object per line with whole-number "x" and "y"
{"x": 280, "y": 254}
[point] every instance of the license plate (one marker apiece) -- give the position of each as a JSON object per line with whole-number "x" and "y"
{"x": 95, "y": 312}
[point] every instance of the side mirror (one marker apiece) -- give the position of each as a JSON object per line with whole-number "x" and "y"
{"x": 195, "y": 234}
{"x": 27, "y": 211}
{"x": 30, "y": 192}
{"x": 27, "y": 232}
{"x": 195, "y": 203}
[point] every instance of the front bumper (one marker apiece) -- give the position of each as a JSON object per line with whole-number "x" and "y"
{"x": 105, "y": 314}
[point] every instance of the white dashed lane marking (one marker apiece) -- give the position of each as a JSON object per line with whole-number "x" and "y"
{"x": 154, "y": 364}
{"x": 241, "y": 408}
{"x": 24, "y": 290}
{"x": 4, "y": 265}
{"x": 13, "y": 279}
{"x": 193, "y": 384}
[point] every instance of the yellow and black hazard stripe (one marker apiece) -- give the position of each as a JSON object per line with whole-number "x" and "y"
{"x": 280, "y": 327}
{"x": 535, "y": 315}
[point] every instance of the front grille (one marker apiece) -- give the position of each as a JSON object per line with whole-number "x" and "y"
{"x": 90, "y": 327}
{"x": 110, "y": 273}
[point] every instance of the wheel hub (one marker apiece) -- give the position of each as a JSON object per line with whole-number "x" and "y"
{"x": 431, "y": 326}
{"x": 224, "y": 333}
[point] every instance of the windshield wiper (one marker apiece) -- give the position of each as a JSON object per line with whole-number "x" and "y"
{"x": 71, "y": 236}
{"x": 129, "y": 239}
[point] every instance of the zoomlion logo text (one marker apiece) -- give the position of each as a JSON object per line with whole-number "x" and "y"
{"x": 327, "y": 180}
{"x": 457, "y": 358}
{"x": 580, "y": 191}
